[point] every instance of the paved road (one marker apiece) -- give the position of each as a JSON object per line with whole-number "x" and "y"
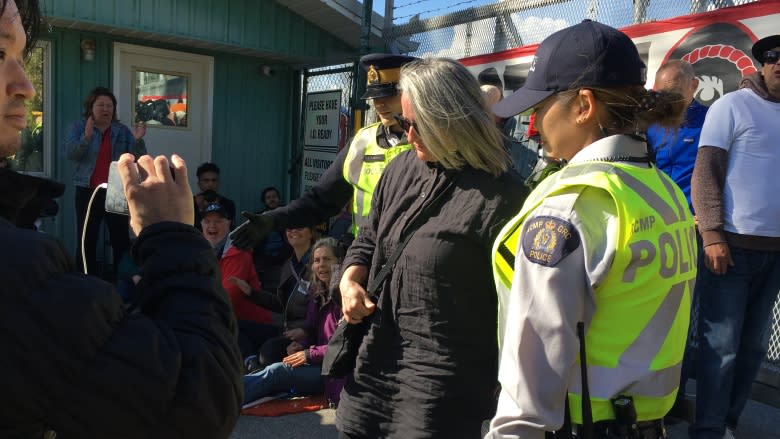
{"x": 759, "y": 421}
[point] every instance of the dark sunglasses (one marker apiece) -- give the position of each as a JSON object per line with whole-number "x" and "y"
{"x": 406, "y": 124}
{"x": 771, "y": 56}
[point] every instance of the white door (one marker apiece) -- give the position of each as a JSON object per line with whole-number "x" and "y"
{"x": 173, "y": 93}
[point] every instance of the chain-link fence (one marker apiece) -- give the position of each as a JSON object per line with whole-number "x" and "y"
{"x": 329, "y": 78}
{"x": 773, "y": 356}
{"x": 477, "y": 27}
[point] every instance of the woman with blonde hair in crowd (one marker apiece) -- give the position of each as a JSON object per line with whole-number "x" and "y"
{"x": 427, "y": 367}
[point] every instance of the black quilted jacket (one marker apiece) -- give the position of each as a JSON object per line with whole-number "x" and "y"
{"x": 76, "y": 362}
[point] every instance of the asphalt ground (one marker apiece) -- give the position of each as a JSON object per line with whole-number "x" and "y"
{"x": 759, "y": 421}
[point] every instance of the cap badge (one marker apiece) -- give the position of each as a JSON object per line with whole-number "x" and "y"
{"x": 372, "y": 75}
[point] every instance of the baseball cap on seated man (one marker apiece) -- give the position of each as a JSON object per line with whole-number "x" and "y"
{"x": 383, "y": 73}
{"x": 586, "y": 54}
{"x": 216, "y": 208}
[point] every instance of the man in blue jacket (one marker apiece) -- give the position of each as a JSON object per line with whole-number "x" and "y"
{"x": 675, "y": 154}
{"x": 675, "y": 151}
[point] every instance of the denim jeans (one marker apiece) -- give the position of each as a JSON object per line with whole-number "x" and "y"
{"x": 688, "y": 368}
{"x": 734, "y": 312}
{"x": 280, "y": 377}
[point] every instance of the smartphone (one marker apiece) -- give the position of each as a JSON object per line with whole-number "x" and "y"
{"x": 116, "y": 202}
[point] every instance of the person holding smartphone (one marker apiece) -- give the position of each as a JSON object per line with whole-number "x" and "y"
{"x": 93, "y": 143}
{"x": 76, "y": 363}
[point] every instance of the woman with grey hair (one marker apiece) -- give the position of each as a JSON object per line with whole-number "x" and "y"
{"x": 427, "y": 367}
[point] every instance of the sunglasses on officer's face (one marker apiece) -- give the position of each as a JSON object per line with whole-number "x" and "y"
{"x": 771, "y": 56}
{"x": 406, "y": 124}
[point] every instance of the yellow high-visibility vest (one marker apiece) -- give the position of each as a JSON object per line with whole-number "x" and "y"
{"x": 364, "y": 164}
{"x": 637, "y": 335}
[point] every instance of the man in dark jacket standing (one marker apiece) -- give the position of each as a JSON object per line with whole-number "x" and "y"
{"x": 74, "y": 361}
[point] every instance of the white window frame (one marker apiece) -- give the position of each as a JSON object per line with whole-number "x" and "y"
{"x": 48, "y": 121}
{"x": 48, "y": 116}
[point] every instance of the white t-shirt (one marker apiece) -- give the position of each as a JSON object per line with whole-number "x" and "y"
{"x": 748, "y": 127}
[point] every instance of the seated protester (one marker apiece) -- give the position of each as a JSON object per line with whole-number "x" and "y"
{"x": 232, "y": 263}
{"x": 289, "y": 299}
{"x": 208, "y": 183}
{"x": 300, "y": 370}
{"x": 271, "y": 253}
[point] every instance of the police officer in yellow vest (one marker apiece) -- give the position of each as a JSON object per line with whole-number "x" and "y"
{"x": 596, "y": 272}
{"x": 357, "y": 168}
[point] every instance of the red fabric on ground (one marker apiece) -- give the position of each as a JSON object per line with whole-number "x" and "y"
{"x": 280, "y": 407}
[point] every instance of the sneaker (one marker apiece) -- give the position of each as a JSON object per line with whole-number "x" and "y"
{"x": 729, "y": 434}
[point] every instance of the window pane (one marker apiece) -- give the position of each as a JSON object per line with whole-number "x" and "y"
{"x": 30, "y": 155}
{"x": 160, "y": 98}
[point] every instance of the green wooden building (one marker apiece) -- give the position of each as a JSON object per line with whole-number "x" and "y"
{"x": 230, "y": 71}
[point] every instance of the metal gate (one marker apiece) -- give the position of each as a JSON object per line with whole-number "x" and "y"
{"x": 319, "y": 79}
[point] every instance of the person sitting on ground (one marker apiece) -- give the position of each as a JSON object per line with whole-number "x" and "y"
{"x": 208, "y": 183}
{"x": 289, "y": 299}
{"x": 300, "y": 370}
{"x": 233, "y": 262}
{"x": 271, "y": 253}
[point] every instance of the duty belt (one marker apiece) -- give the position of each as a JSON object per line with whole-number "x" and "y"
{"x": 641, "y": 430}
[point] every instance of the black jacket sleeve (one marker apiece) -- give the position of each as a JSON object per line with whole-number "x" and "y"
{"x": 275, "y": 300}
{"x": 77, "y": 362}
{"x": 319, "y": 203}
{"x": 267, "y": 299}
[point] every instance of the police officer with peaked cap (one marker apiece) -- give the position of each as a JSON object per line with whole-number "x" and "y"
{"x": 357, "y": 168}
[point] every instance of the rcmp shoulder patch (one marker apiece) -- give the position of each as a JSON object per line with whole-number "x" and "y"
{"x": 547, "y": 240}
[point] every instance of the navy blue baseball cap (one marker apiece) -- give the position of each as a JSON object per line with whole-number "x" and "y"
{"x": 383, "y": 72}
{"x": 216, "y": 208}
{"x": 586, "y": 54}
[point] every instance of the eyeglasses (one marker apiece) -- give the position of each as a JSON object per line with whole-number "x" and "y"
{"x": 406, "y": 124}
{"x": 771, "y": 56}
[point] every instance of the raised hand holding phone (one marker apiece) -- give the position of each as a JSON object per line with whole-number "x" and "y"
{"x": 163, "y": 195}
